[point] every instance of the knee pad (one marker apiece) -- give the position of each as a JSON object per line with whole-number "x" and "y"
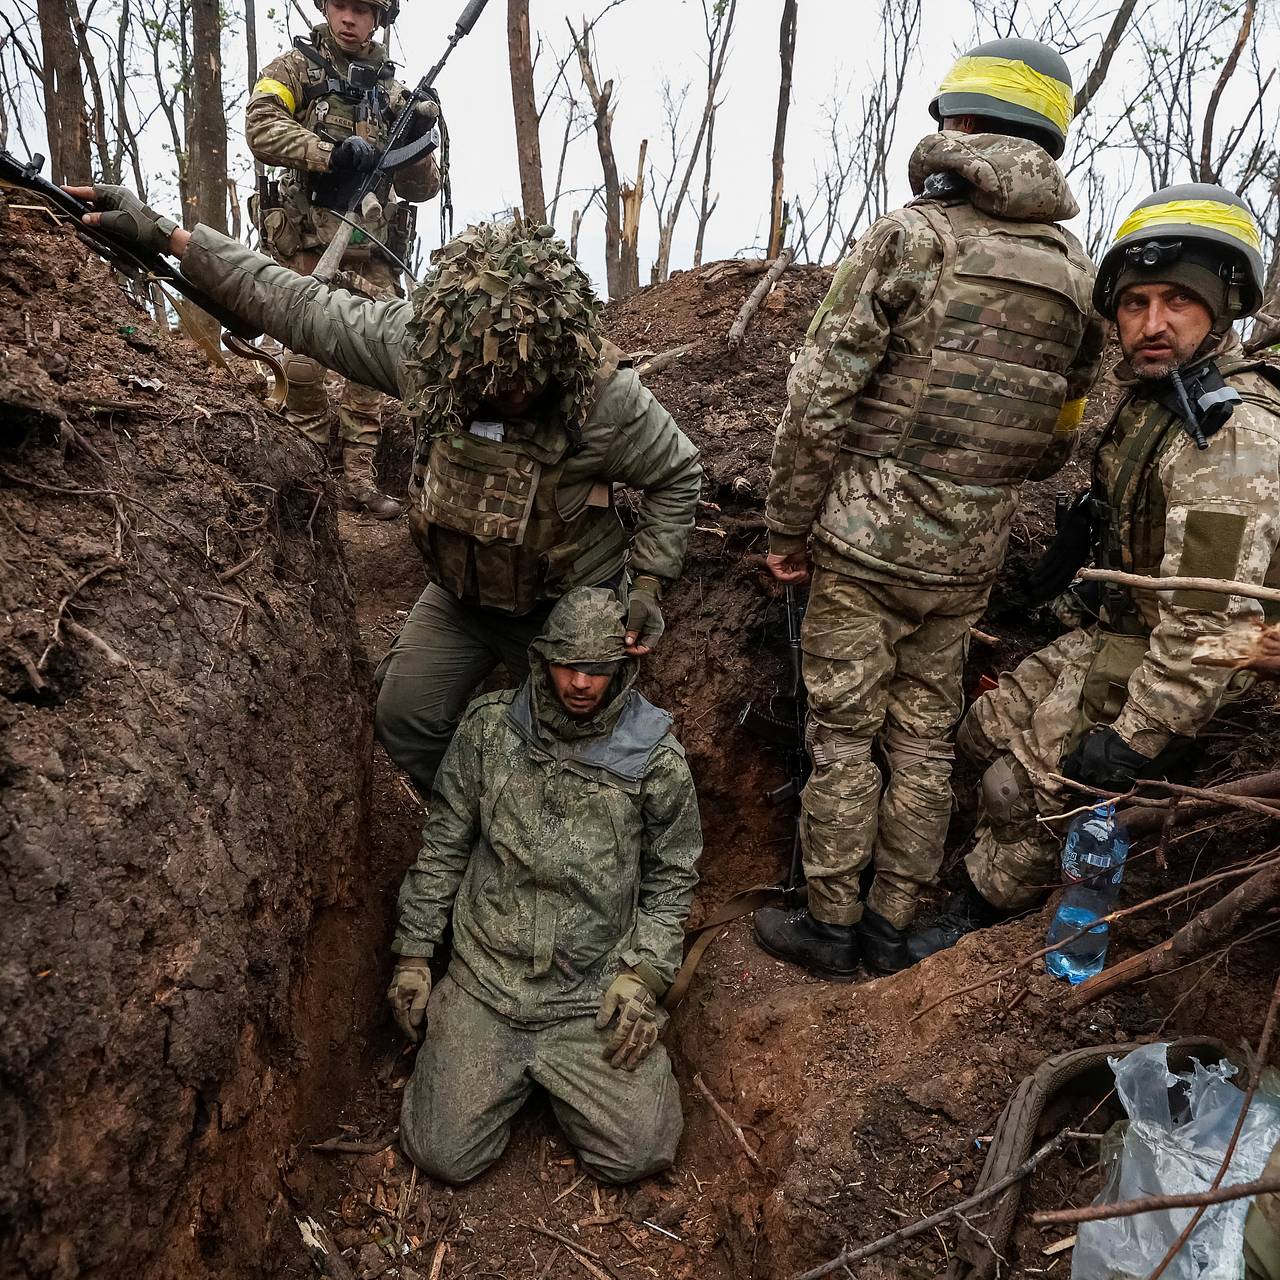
{"x": 1008, "y": 798}
{"x": 828, "y": 745}
{"x": 302, "y": 371}
{"x": 972, "y": 742}
{"x": 901, "y": 750}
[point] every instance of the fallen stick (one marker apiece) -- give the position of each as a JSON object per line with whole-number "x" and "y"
{"x": 655, "y": 364}
{"x": 586, "y": 1258}
{"x": 738, "y": 330}
{"x": 1260, "y": 785}
{"x": 1173, "y": 788}
{"x": 322, "y": 1250}
{"x": 1154, "y": 1204}
{"x": 236, "y": 570}
{"x": 1221, "y": 586}
{"x": 848, "y": 1256}
{"x": 350, "y": 1147}
{"x": 729, "y": 1122}
{"x": 1191, "y": 941}
{"x": 1170, "y": 895}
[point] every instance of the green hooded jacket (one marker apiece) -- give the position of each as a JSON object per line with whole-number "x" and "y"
{"x": 565, "y": 849}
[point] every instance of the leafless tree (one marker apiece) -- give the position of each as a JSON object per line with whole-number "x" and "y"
{"x": 64, "y": 102}
{"x": 207, "y": 120}
{"x": 786, "y": 58}
{"x": 524, "y": 106}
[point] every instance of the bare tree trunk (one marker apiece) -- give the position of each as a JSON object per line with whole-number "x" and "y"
{"x": 601, "y": 99}
{"x": 64, "y": 104}
{"x": 1102, "y": 63}
{"x": 632, "y": 201}
{"x": 708, "y": 205}
{"x": 524, "y": 104}
{"x": 786, "y": 56}
{"x": 1209, "y": 172}
{"x": 207, "y": 141}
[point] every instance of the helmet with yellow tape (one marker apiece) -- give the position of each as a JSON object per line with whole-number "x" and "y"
{"x": 388, "y": 10}
{"x": 1021, "y": 83}
{"x": 1194, "y": 233}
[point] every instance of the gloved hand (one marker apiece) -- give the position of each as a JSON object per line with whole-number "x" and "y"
{"x": 124, "y": 215}
{"x": 1103, "y": 759}
{"x": 422, "y": 121}
{"x": 637, "y": 1029}
{"x": 1066, "y": 555}
{"x": 410, "y": 987}
{"x": 354, "y": 155}
{"x": 644, "y": 615}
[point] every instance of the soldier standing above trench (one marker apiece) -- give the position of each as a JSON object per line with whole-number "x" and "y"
{"x": 525, "y": 417}
{"x": 322, "y": 112}
{"x": 1186, "y": 483}
{"x": 946, "y": 366}
{"x": 562, "y": 841}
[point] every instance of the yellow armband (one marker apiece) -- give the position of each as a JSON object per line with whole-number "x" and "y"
{"x": 277, "y": 90}
{"x": 1070, "y": 418}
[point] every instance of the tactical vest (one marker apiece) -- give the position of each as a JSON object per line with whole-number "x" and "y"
{"x": 496, "y": 524}
{"x": 971, "y": 388}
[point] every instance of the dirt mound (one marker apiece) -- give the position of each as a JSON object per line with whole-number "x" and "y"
{"x": 184, "y": 743}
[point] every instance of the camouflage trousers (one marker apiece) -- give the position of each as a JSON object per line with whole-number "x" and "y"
{"x": 475, "y": 1070}
{"x": 883, "y": 664}
{"x": 1262, "y": 1229}
{"x": 307, "y": 402}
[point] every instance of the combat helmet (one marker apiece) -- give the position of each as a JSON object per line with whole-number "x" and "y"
{"x": 1020, "y": 82}
{"x": 1198, "y": 225}
{"x": 505, "y": 302}
{"x": 388, "y": 10}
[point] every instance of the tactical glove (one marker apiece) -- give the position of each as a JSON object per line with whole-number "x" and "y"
{"x": 410, "y": 987}
{"x": 1103, "y": 759}
{"x": 124, "y": 215}
{"x": 637, "y": 1029}
{"x": 354, "y": 155}
{"x": 1067, "y": 554}
{"x": 644, "y": 615}
{"x": 422, "y": 121}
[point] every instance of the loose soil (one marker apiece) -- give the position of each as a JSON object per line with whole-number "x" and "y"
{"x": 196, "y": 1159}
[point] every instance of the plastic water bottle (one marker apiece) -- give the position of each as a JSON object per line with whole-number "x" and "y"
{"x": 1092, "y": 868}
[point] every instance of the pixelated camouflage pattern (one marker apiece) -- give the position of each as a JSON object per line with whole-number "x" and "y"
{"x": 476, "y": 1069}
{"x": 301, "y": 141}
{"x": 1262, "y": 1228}
{"x": 882, "y": 334}
{"x": 882, "y": 664}
{"x": 628, "y": 438}
{"x": 555, "y": 869}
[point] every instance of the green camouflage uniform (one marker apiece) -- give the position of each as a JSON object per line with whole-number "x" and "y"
{"x": 524, "y": 519}
{"x": 566, "y": 851}
{"x": 293, "y": 123}
{"x": 1174, "y": 510}
{"x": 932, "y": 382}
{"x": 1262, "y": 1229}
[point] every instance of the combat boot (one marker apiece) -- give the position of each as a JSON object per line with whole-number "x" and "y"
{"x": 358, "y": 473}
{"x": 829, "y": 950}
{"x": 965, "y": 911}
{"x": 883, "y": 945}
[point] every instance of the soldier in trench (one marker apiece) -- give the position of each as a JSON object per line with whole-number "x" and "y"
{"x": 525, "y": 417}
{"x": 307, "y": 116}
{"x": 947, "y": 365}
{"x": 563, "y": 837}
{"x": 1186, "y": 483}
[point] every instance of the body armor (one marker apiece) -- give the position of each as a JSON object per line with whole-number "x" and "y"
{"x": 971, "y": 388}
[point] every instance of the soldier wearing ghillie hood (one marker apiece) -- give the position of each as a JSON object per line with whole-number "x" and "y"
{"x": 946, "y": 366}
{"x": 525, "y": 419}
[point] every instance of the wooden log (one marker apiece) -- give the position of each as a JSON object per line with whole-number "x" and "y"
{"x": 738, "y": 329}
{"x": 1222, "y": 586}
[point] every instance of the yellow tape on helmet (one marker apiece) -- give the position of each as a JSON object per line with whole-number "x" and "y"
{"x": 1212, "y": 215}
{"x": 1070, "y": 418}
{"x": 277, "y": 90}
{"x": 1013, "y": 82}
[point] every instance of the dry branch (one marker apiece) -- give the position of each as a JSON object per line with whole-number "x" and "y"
{"x": 322, "y": 1250}
{"x": 1154, "y": 1204}
{"x": 739, "y": 328}
{"x": 726, "y": 1119}
{"x": 1222, "y": 586}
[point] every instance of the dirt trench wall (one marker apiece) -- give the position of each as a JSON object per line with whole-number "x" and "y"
{"x": 184, "y": 736}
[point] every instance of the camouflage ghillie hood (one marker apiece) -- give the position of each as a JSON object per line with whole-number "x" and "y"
{"x": 1007, "y": 177}
{"x": 504, "y": 302}
{"x": 586, "y": 625}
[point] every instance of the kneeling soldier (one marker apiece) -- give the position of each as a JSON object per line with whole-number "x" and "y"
{"x": 563, "y": 836}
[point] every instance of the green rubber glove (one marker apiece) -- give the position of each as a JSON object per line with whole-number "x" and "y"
{"x": 637, "y": 1010}
{"x": 408, "y": 993}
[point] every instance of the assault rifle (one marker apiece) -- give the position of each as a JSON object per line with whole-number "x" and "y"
{"x": 126, "y": 256}
{"x": 781, "y": 724}
{"x": 397, "y": 153}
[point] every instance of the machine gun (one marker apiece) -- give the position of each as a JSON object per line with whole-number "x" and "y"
{"x": 398, "y": 152}
{"x": 781, "y": 724}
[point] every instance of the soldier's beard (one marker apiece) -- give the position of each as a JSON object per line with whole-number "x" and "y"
{"x": 1151, "y": 362}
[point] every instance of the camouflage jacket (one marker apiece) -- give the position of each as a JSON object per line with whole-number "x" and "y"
{"x": 629, "y": 438}
{"x": 899, "y": 518}
{"x": 562, "y": 860}
{"x": 1185, "y": 512}
{"x": 286, "y": 126}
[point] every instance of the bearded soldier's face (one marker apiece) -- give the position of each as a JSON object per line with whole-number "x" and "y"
{"x": 352, "y": 22}
{"x": 1161, "y": 327}
{"x": 579, "y": 693}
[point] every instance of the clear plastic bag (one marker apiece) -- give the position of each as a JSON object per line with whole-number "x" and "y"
{"x": 1173, "y": 1144}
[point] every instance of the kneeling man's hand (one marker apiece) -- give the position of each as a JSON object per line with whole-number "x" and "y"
{"x": 410, "y": 987}
{"x": 637, "y": 1029}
